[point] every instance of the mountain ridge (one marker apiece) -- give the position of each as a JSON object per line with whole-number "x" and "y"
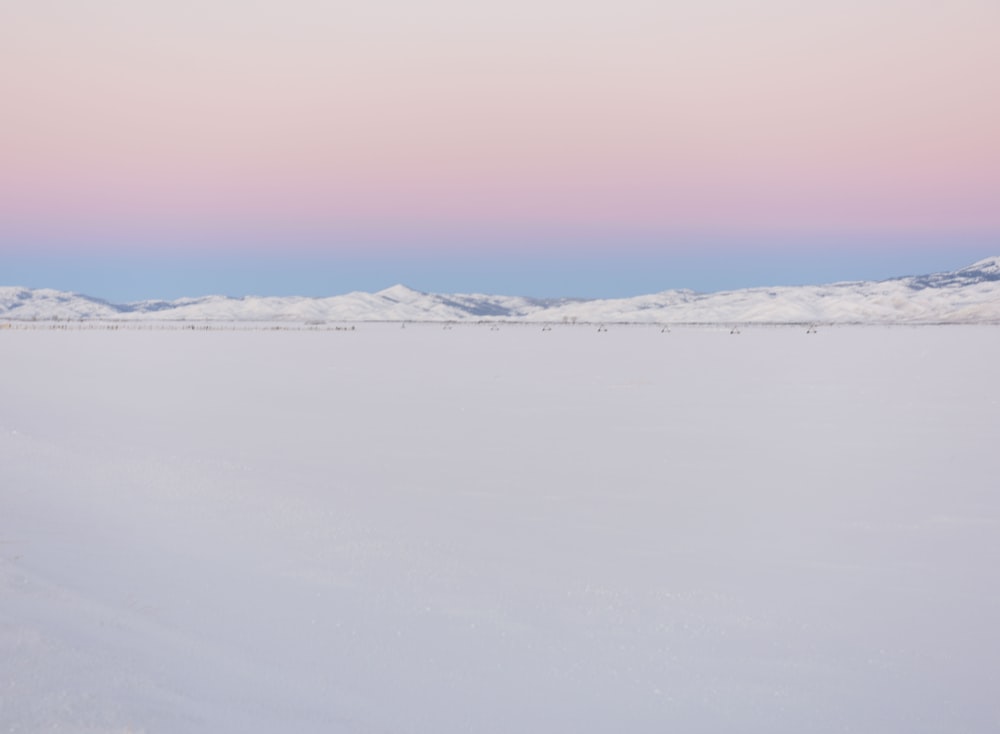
{"x": 968, "y": 295}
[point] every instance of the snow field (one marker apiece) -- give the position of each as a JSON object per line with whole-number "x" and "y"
{"x": 421, "y": 530}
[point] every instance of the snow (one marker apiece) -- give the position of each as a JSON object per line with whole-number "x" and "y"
{"x": 427, "y": 530}
{"x": 968, "y": 295}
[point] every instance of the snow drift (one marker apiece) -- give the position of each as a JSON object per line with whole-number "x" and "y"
{"x": 428, "y": 531}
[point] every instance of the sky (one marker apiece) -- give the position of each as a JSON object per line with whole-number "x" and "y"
{"x": 537, "y": 147}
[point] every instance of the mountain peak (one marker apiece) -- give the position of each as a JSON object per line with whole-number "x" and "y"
{"x": 399, "y": 292}
{"x": 986, "y": 266}
{"x": 986, "y": 270}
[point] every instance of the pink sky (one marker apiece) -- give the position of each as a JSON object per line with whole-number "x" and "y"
{"x": 397, "y": 121}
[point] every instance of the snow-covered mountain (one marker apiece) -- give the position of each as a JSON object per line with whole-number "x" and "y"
{"x": 968, "y": 295}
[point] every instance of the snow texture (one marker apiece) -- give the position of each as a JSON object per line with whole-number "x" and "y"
{"x": 969, "y": 295}
{"x": 429, "y": 531}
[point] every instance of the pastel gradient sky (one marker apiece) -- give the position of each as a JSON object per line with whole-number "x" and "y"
{"x": 544, "y": 147}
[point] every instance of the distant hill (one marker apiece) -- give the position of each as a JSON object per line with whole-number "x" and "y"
{"x": 968, "y": 295}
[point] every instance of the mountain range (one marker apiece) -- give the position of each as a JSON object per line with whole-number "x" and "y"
{"x": 968, "y": 295}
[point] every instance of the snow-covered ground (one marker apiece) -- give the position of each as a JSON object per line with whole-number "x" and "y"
{"x": 468, "y": 530}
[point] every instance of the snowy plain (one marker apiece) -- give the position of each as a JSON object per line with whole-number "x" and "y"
{"x": 474, "y": 530}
